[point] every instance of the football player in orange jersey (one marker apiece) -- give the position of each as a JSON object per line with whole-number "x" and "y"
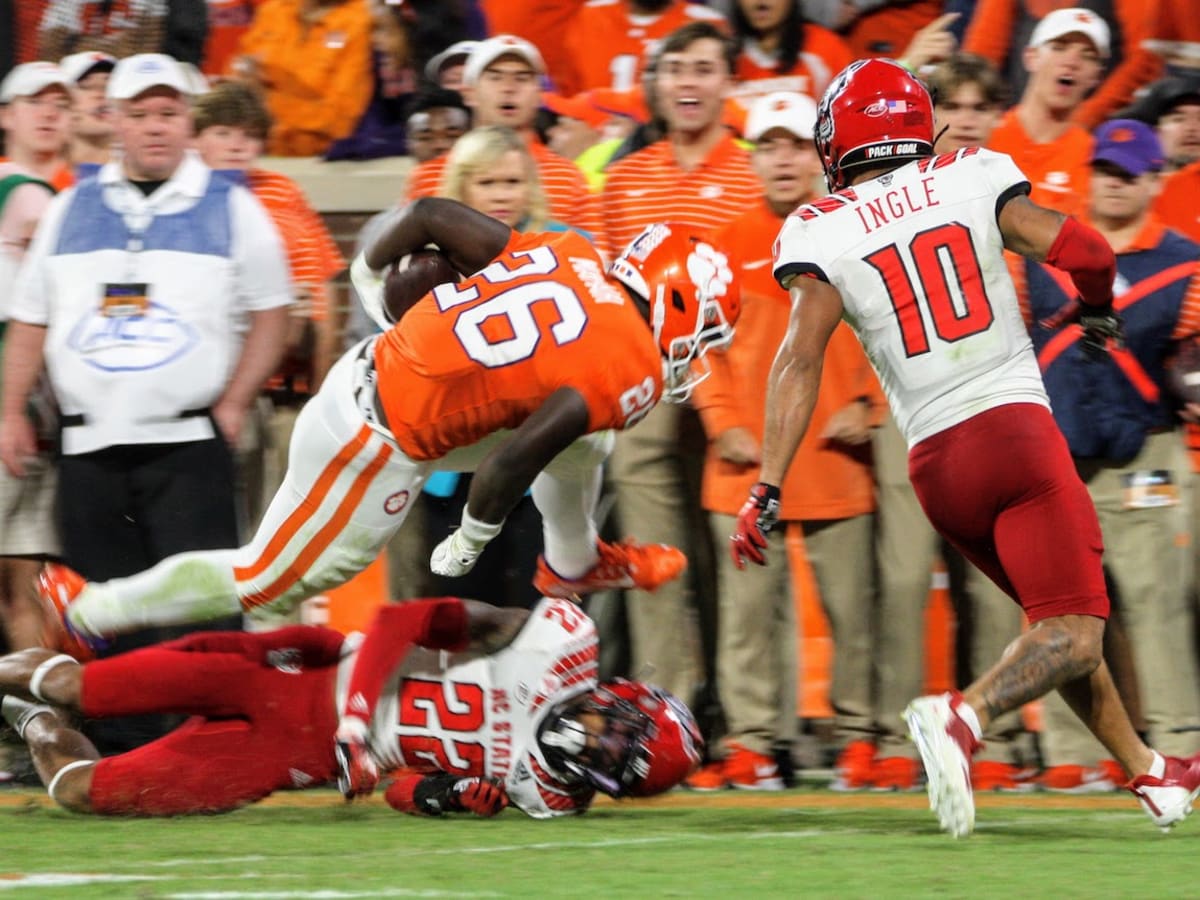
{"x": 518, "y": 373}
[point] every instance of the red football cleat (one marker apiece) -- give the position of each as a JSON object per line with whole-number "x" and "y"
{"x": 57, "y": 586}
{"x": 624, "y": 565}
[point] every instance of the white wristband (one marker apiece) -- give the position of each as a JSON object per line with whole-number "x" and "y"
{"x": 369, "y": 285}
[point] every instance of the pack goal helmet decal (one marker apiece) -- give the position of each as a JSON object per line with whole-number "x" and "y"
{"x": 875, "y": 111}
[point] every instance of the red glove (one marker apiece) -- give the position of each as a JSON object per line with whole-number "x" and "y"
{"x": 483, "y": 796}
{"x": 434, "y": 795}
{"x": 754, "y": 523}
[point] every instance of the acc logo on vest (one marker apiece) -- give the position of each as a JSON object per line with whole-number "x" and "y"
{"x": 132, "y": 343}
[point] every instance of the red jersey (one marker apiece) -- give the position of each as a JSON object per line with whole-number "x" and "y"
{"x": 475, "y": 357}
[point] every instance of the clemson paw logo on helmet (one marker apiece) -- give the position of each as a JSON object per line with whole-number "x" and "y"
{"x": 709, "y": 270}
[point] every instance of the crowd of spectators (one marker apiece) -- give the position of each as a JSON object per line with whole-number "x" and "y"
{"x": 600, "y": 116}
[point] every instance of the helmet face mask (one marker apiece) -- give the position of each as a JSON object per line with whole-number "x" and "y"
{"x": 689, "y": 298}
{"x": 648, "y": 743}
{"x": 873, "y": 113}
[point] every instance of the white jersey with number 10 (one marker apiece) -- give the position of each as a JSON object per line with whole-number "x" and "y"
{"x": 917, "y": 257}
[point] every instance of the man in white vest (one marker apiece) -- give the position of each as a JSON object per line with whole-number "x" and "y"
{"x": 156, "y": 295}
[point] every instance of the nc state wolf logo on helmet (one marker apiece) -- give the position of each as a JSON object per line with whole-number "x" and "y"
{"x": 874, "y": 112}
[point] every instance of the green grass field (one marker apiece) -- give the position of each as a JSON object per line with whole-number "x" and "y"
{"x": 799, "y": 844}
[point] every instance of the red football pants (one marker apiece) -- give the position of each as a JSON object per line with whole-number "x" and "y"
{"x": 254, "y": 729}
{"x": 1002, "y": 488}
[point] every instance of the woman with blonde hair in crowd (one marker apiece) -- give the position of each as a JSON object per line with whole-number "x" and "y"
{"x": 491, "y": 169}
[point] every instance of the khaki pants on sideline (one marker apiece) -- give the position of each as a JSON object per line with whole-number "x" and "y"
{"x": 839, "y": 551}
{"x": 756, "y": 644}
{"x": 655, "y": 471}
{"x": 1147, "y": 556}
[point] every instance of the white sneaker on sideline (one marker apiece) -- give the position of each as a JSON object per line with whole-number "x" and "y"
{"x": 1168, "y": 800}
{"x": 946, "y": 745}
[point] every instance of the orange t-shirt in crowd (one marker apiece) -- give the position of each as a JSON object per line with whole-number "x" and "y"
{"x": 313, "y": 256}
{"x": 541, "y": 22}
{"x": 1178, "y": 203}
{"x": 825, "y": 480}
{"x": 887, "y": 31}
{"x": 1059, "y": 171}
{"x": 319, "y": 77}
{"x": 27, "y": 20}
{"x": 649, "y": 186}
{"x": 1176, "y": 32}
{"x": 473, "y": 358}
{"x": 228, "y": 20}
{"x": 63, "y": 177}
{"x": 606, "y": 43}
{"x": 994, "y": 21}
{"x": 822, "y": 56}
{"x": 563, "y": 183}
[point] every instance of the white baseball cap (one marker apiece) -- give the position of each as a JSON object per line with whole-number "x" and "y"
{"x": 487, "y": 52}
{"x": 136, "y": 74}
{"x": 31, "y": 78}
{"x": 463, "y": 49}
{"x": 78, "y": 65}
{"x": 789, "y": 110}
{"x": 1073, "y": 20}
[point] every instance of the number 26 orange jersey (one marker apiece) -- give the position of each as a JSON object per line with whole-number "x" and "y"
{"x": 481, "y": 355}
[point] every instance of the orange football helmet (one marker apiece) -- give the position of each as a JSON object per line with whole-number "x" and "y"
{"x": 690, "y": 299}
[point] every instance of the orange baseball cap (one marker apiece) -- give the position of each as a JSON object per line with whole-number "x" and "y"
{"x": 577, "y": 107}
{"x": 631, "y": 104}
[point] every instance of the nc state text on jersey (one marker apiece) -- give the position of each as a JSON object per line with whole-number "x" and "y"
{"x": 501, "y": 733}
{"x": 896, "y": 204}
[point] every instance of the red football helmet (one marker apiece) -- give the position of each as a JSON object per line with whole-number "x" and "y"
{"x": 873, "y": 112}
{"x": 687, "y": 292}
{"x": 649, "y": 744}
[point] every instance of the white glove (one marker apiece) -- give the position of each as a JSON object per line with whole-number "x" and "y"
{"x": 456, "y": 555}
{"x": 369, "y": 285}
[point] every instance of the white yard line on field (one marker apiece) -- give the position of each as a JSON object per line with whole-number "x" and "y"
{"x": 67, "y": 879}
{"x": 322, "y": 894}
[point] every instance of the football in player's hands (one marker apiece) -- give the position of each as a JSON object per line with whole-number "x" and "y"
{"x": 1183, "y": 371}
{"x": 413, "y": 276}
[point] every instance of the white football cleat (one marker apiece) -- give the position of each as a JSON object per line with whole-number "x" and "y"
{"x": 947, "y": 745}
{"x": 1168, "y": 800}
{"x": 454, "y": 556}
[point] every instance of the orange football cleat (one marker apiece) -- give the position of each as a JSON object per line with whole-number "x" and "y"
{"x": 750, "y": 771}
{"x": 709, "y": 778}
{"x": 624, "y": 565}
{"x": 854, "y": 767}
{"x": 896, "y": 773}
{"x": 57, "y": 586}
